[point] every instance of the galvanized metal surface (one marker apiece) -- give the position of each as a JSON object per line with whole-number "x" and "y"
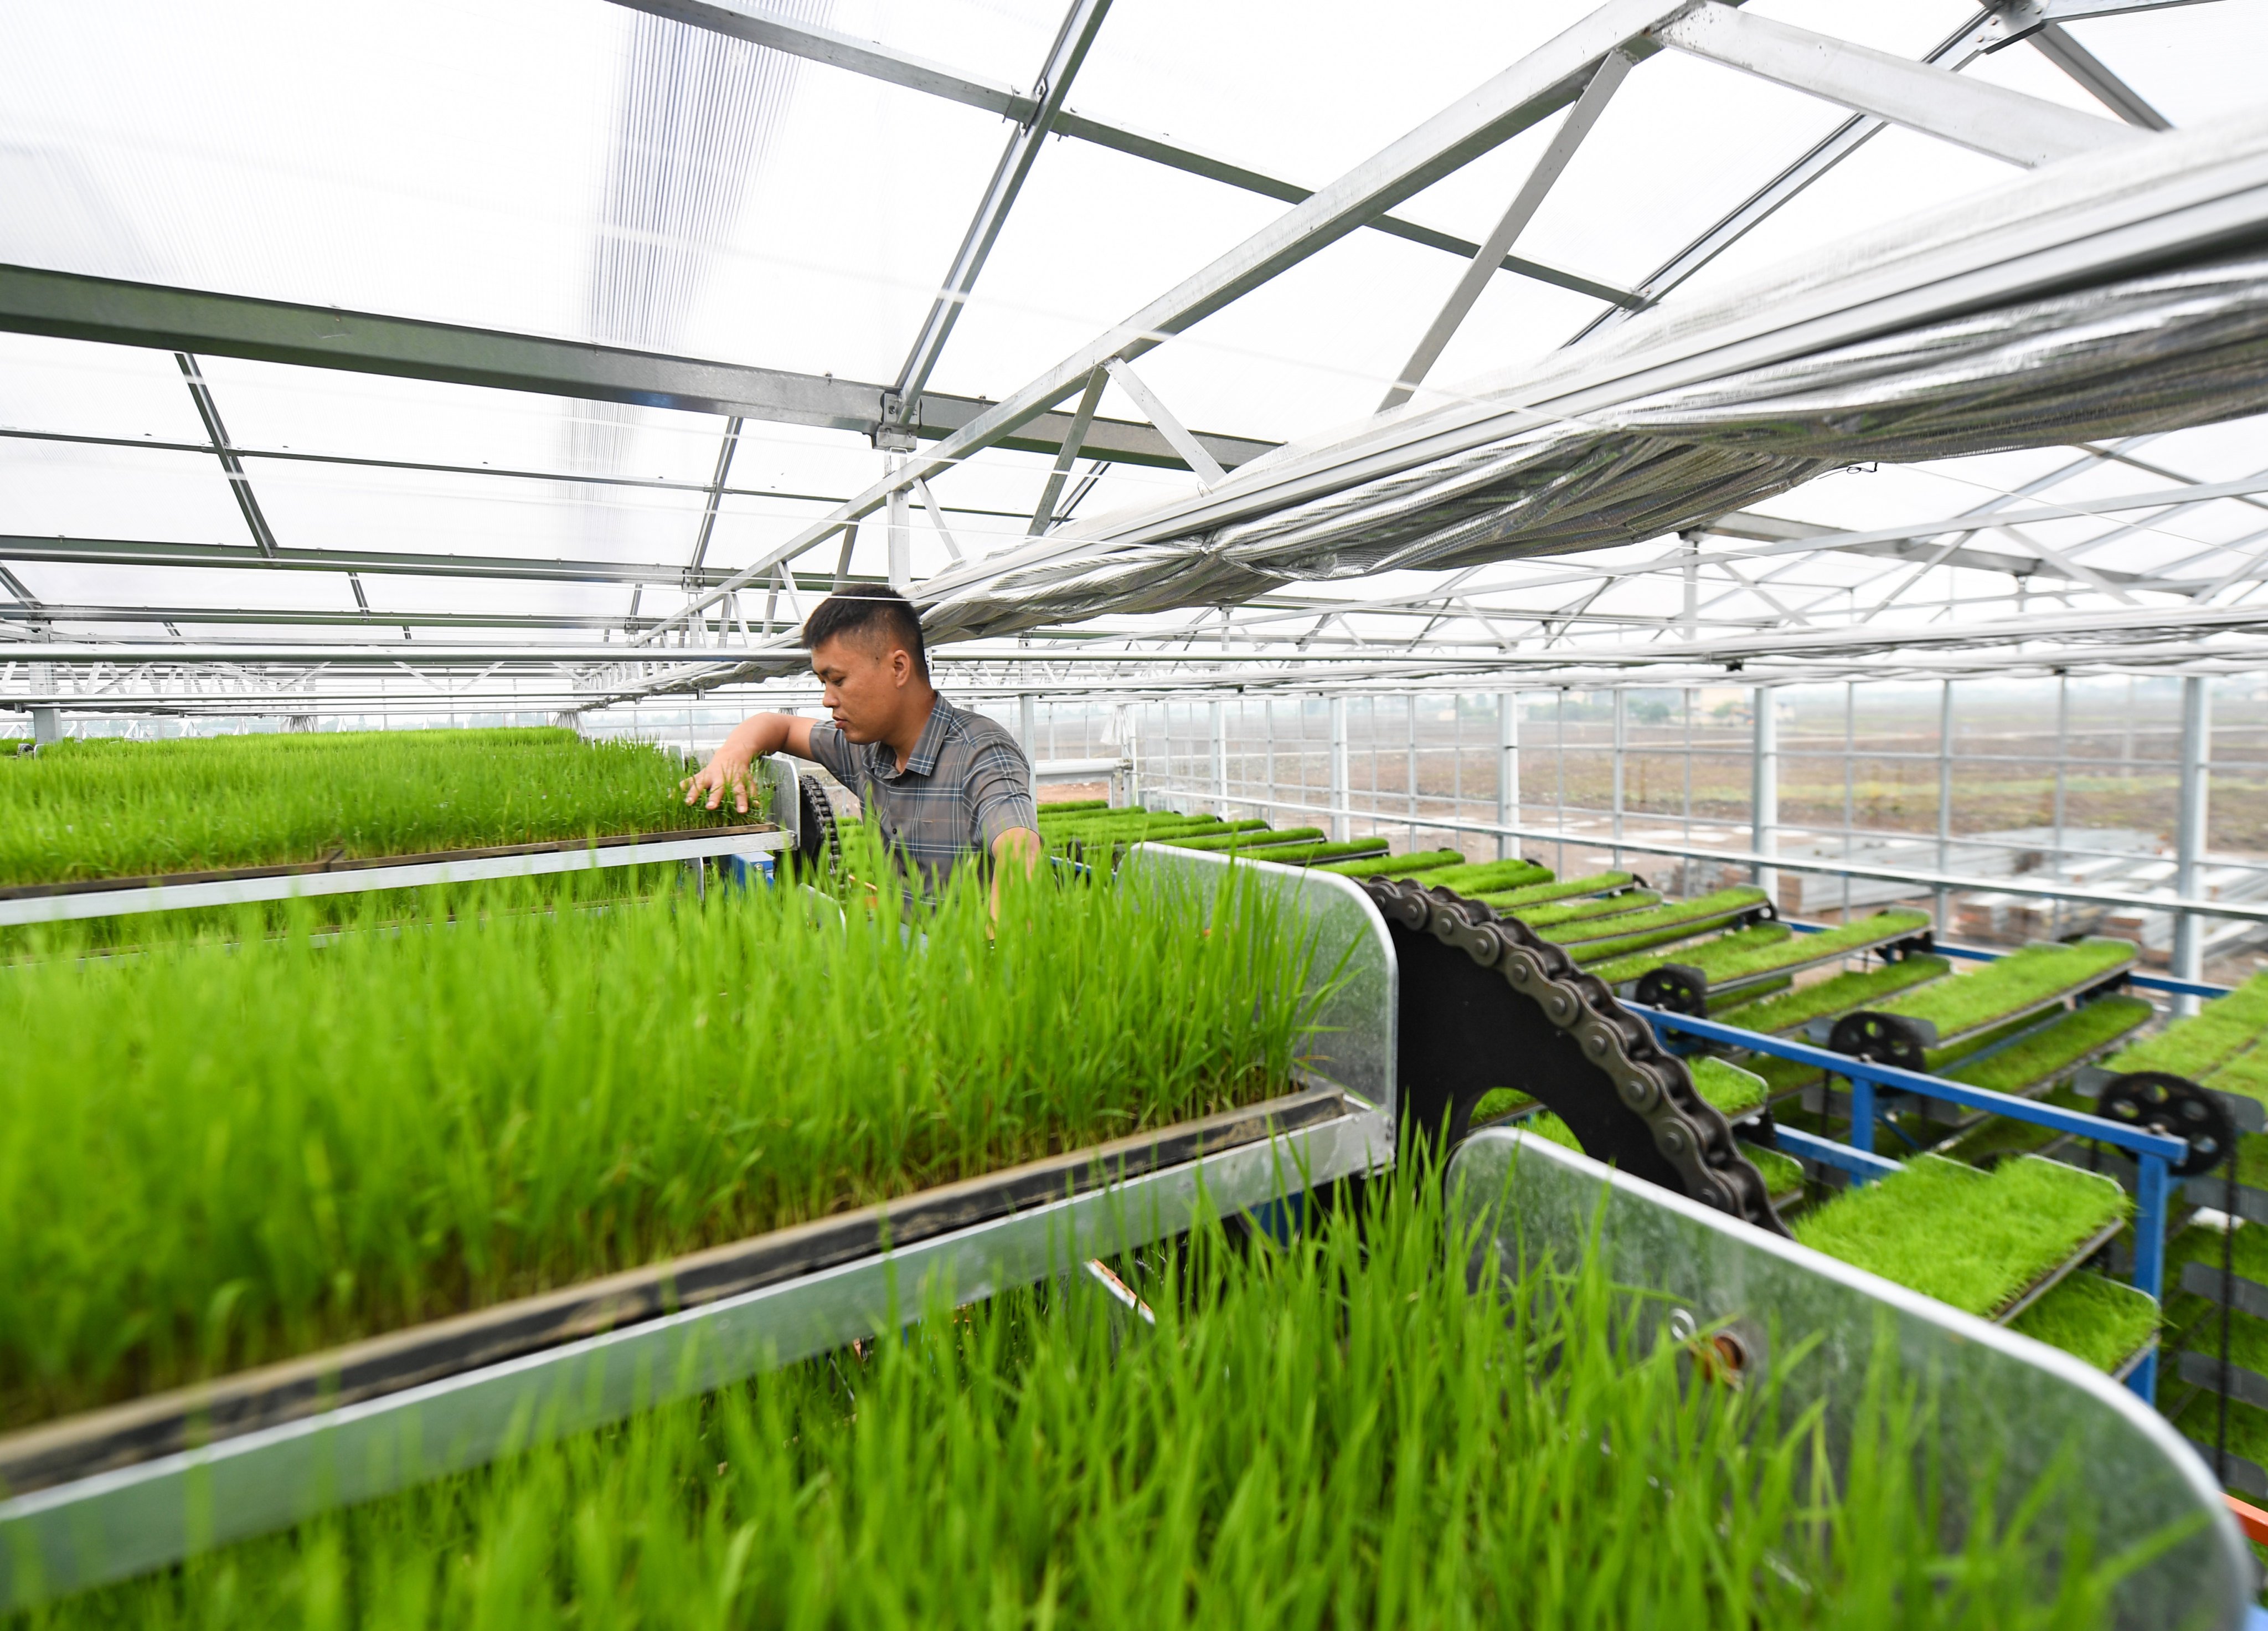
{"x": 109, "y": 902}
{"x": 2000, "y": 1397}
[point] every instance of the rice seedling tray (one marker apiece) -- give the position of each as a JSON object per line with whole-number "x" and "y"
{"x": 1597, "y": 884}
{"x": 2110, "y": 1327}
{"x": 1734, "y": 970}
{"x": 161, "y": 1424}
{"x": 1415, "y": 864}
{"x": 104, "y": 897}
{"x": 2203, "y": 1371}
{"x": 151, "y": 1512}
{"x": 2057, "y": 1275}
{"x": 1959, "y": 1020}
{"x": 1588, "y": 942}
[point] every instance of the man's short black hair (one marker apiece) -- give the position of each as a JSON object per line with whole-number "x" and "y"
{"x": 873, "y": 611}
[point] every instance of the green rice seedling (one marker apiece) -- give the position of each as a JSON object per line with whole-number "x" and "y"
{"x": 1539, "y": 894}
{"x": 1678, "y": 914}
{"x": 107, "y": 809}
{"x": 1782, "y": 1173}
{"x": 1540, "y": 918}
{"x": 1858, "y": 989}
{"x": 1059, "y": 808}
{"x": 1252, "y": 835}
{"x": 1773, "y": 945}
{"x": 1731, "y": 1090}
{"x": 1451, "y": 1454}
{"x": 2198, "y": 1421}
{"x": 1709, "y": 956}
{"x": 214, "y": 1156}
{"x": 1975, "y": 1240}
{"x": 2092, "y": 1318}
{"x": 1997, "y": 1138}
{"x": 2018, "y": 981}
{"x": 1414, "y": 865}
{"x": 2060, "y": 1046}
{"x": 1308, "y": 854}
{"x": 2206, "y": 1040}
{"x": 1482, "y": 877}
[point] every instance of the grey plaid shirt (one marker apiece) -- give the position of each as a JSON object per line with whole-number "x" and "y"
{"x": 965, "y": 783}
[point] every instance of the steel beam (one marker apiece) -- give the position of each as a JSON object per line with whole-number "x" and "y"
{"x": 1986, "y": 118}
{"x": 1072, "y": 40}
{"x": 2056, "y": 44}
{"x": 118, "y": 312}
{"x": 1531, "y": 90}
{"x": 775, "y": 30}
{"x": 1613, "y": 69}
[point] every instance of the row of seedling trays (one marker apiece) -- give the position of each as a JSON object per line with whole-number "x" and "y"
{"x": 2007, "y": 1239}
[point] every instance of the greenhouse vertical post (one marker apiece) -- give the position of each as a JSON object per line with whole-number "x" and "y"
{"x": 1507, "y": 769}
{"x": 1764, "y": 791}
{"x": 1218, "y": 722}
{"x": 1340, "y": 791}
{"x": 1944, "y": 801}
{"x": 1621, "y": 752}
{"x": 2189, "y": 829}
{"x": 1028, "y": 734}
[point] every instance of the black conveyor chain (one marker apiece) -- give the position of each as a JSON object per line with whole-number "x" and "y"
{"x": 1563, "y": 1039}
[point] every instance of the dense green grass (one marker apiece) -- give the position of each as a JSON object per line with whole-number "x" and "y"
{"x": 1782, "y": 1173}
{"x": 2206, "y": 1040}
{"x": 212, "y": 1156}
{"x": 110, "y": 808}
{"x": 1482, "y": 877}
{"x": 1972, "y": 1239}
{"x": 1308, "y": 854}
{"x": 2093, "y": 1319}
{"x": 1730, "y": 1089}
{"x": 1858, "y": 989}
{"x": 1249, "y": 836}
{"x": 1058, "y": 808}
{"x": 1415, "y": 864}
{"x": 1540, "y": 918}
{"x": 1769, "y": 946}
{"x": 1539, "y": 894}
{"x": 1704, "y": 954}
{"x": 2015, "y": 982}
{"x": 1336, "y": 1434}
{"x": 2059, "y": 1047}
{"x": 1617, "y": 937}
{"x": 1998, "y": 1137}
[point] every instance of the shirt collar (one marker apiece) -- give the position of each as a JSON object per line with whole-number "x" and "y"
{"x": 923, "y": 760}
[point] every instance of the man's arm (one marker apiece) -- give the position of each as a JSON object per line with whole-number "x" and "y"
{"x": 751, "y": 739}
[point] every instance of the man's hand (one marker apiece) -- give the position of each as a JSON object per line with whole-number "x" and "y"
{"x": 728, "y": 767}
{"x": 1017, "y": 844}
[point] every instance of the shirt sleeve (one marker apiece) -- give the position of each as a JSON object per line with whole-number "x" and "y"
{"x": 999, "y": 790}
{"x": 836, "y": 756}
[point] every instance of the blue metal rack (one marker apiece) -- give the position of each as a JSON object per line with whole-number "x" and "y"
{"x": 2152, "y": 1153}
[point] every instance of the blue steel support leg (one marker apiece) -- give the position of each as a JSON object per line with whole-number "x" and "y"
{"x": 1862, "y": 1114}
{"x": 2149, "y": 1257}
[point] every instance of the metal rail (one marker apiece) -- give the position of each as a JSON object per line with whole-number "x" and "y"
{"x": 2153, "y": 1153}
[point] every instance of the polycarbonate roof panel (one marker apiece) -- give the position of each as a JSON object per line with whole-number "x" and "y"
{"x": 573, "y": 168}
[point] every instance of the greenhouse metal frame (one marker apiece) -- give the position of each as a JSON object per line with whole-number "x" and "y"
{"x": 2072, "y": 560}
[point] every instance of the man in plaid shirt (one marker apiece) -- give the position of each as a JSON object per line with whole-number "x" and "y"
{"x": 941, "y": 782}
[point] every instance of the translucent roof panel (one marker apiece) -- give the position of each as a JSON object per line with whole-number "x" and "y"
{"x": 575, "y": 168}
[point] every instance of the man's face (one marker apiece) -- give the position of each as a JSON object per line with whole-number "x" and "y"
{"x": 864, "y": 683}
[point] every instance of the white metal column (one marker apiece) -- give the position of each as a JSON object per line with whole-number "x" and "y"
{"x": 1027, "y": 733}
{"x": 2190, "y": 828}
{"x": 1219, "y": 760}
{"x": 1340, "y": 780}
{"x": 902, "y": 542}
{"x": 1763, "y": 787}
{"x": 1508, "y": 771}
{"x": 1944, "y": 801}
{"x": 1621, "y": 754}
